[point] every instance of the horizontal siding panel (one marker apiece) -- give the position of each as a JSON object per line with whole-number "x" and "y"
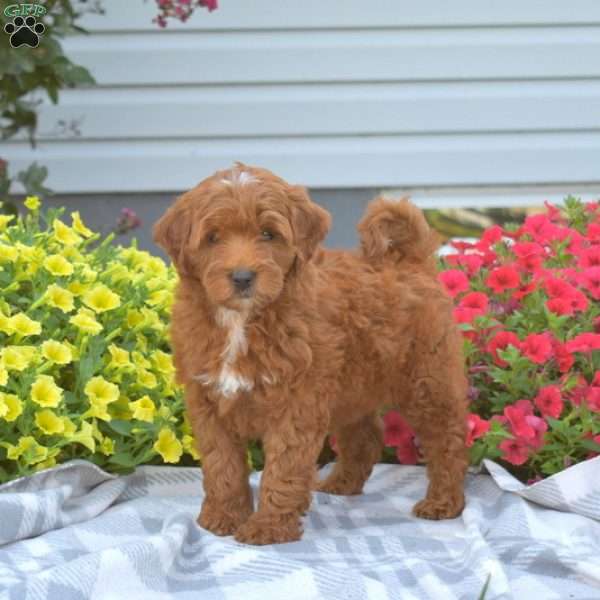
{"x": 324, "y": 163}
{"x": 350, "y": 109}
{"x": 332, "y": 56}
{"x": 289, "y": 14}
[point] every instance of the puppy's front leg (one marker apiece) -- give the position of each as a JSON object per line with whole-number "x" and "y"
{"x": 228, "y": 497}
{"x": 285, "y": 490}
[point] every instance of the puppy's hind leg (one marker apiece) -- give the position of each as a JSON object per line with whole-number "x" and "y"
{"x": 359, "y": 447}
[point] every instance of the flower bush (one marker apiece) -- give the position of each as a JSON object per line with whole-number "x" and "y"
{"x": 85, "y": 367}
{"x": 180, "y": 9}
{"x": 527, "y": 301}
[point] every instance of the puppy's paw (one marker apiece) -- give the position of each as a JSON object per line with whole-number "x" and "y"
{"x": 438, "y": 509}
{"x": 222, "y": 522}
{"x": 260, "y": 530}
{"x": 340, "y": 486}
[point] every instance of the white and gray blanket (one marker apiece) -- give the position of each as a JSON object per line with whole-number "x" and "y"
{"x": 76, "y": 533}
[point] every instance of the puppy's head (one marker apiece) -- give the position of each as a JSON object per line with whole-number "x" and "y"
{"x": 241, "y": 232}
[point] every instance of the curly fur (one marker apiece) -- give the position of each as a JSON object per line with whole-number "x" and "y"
{"x": 322, "y": 343}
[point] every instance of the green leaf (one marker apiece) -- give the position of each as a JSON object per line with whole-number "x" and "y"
{"x": 591, "y": 445}
{"x": 121, "y": 427}
{"x": 123, "y": 459}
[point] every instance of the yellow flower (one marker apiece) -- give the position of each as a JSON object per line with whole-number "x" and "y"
{"x": 45, "y": 392}
{"x": 168, "y": 446}
{"x": 85, "y": 436}
{"x": 48, "y": 463}
{"x": 32, "y": 203}
{"x": 146, "y": 379}
{"x": 12, "y": 407}
{"x": 69, "y": 427}
{"x": 144, "y": 409}
{"x": 6, "y": 324}
{"x": 142, "y": 342}
{"x": 79, "y": 226}
{"x": 100, "y": 394}
{"x": 8, "y": 253}
{"x": 73, "y": 255}
{"x": 59, "y": 297}
{"x": 140, "y": 360}
{"x": 58, "y": 265}
{"x": 24, "y": 326}
{"x": 5, "y": 220}
{"x": 163, "y": 362}
{"x": 84, "y": 319}
{"x": 189, "y": 446}
{"x": 160, "y": 298}
{"x": 17, "y": 358}
{"x": 3, "y": 374}
{"x": 64, "y": 234}
{"x": 100, "y": 299}
{"x": 29, "y": 449}
{"x": 117, "y": 272}
{"x": 134, "y": 318}
{"x": 77, "y": 288}
{"x": 49, "y": 422}
{"x": 119, "y": 357}
{"x": 107, "y": 446}
{"x": 56, "y": 352}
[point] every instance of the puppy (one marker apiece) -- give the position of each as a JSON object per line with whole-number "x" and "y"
{"x": 277, "y": 339}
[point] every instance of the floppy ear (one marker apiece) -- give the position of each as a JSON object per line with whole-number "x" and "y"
{"x": 310, "y": 222}
{"x": 172, "y": 231}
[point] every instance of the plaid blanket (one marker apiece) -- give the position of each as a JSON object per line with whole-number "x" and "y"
{"x": 76, "y": 532}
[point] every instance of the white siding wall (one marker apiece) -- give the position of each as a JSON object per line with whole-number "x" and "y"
{"x": 333, "y": 94}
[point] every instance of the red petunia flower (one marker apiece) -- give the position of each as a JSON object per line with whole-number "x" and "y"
{"x": 500, "y": 342}
{"x": 396, "y": 429}
{"x": 476, "y": 428}
{"x": 584, "y": 342}
{"x": 454, "y": 281}
{"x": 477, "y": 301}
{"x": 502, "y": 279}
{"x": 516, "y": 452}
{"x": 589, "y": 257}
{"x": 519, "y": 426}
{"x": 560, "y": 306}
{"x": 590, "y": 280}
{"x": 537, "y": 348}
{"x": 407, "y": 453}
{"x": 564, "y": 359}
{"x": 539, "y": 427}
{"x": 549, "y": 401}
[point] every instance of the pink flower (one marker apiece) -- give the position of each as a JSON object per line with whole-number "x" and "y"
{"x": 584, "y": 342}
{"x": 210, "y": 4}
{"x": 539, "y": 427}
{"x": 564, "y": 359}
{"x": 407, "y": 452}
{"x": 465, "y": 315}
{"x": 530, "y": 255}
{"x": 501, "y": 341}
{"x": 590, "y": 280}
{"x": 518, "y": 423}
{"x": 476, "y": 301}
{"x": 396, "y": 429}
{"x": 537, "y": 348}
{"x": 454, "y": 281}
{"x": 476, "y": 428}
{"x": 524, "y": 290}
{"x": 589, "y": 257}
{"x": 502, "y": 279}
{"x": 560, "y": 306}
{"x": 516, "y": 452}
{"x": 592, "y": 398}
{"x": 549, "y": 401}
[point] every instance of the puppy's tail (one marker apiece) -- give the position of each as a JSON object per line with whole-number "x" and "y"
{"x": 398, "y": 231}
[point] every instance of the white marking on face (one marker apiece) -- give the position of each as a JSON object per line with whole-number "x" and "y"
{"x": 237, "y": 177}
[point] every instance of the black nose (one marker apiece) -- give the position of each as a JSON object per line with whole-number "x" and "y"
{"x": 242, "y": 280}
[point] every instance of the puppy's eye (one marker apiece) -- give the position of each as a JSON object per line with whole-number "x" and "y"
{"x": 212, "y": 237}
{"x": 266, "y": 235}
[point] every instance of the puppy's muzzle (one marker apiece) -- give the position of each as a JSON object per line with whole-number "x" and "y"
{"x": 242, "y": 281}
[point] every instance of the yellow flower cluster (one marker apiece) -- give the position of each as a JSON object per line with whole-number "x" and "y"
{"x": 85, "y": 365}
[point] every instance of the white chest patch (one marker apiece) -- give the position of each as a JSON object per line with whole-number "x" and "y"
{"x": 228, "y": 382}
